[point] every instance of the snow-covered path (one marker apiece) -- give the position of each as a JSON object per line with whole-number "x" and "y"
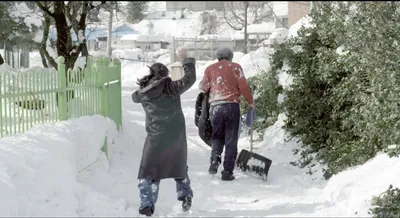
{"x": 284, "y": 194}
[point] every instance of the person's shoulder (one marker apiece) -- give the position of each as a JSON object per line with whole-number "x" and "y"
{"x": 211, "y": 66}
{"x": 234, "y": 64}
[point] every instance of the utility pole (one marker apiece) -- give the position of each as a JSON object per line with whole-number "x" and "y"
{"x": 246, "y": 5}
{"x": 109, "y": 38}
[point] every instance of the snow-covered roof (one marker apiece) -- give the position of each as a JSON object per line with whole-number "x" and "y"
{"x": 144, "y": 38}
{"x": 260, "y": 28}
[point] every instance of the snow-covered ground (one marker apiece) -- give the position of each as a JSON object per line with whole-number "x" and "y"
{"x": 57, "y": 170}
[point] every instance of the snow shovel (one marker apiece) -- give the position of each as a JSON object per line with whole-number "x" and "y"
{"x": 249, "y": 162}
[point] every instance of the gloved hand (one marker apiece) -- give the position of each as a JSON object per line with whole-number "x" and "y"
{"x": 252, "y": 106}
{"x": 181, "y": 53}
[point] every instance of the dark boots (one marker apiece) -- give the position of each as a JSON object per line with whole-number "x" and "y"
{"x": 187, "y": 203}
{"x": 146, "y": 211}
{"x": 215, "y": 162}
{"x": 227, "y": 175}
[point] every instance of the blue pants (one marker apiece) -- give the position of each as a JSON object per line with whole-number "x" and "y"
{"x": 225, "y": 120}
{"x": 149, "y": 191}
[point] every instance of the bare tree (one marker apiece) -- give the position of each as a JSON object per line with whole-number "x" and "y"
{"x": 209, "y": 23}
{"x": 240, "y": 14}
{"x": 67, "y": 15}
{"x": 257, "y": 12}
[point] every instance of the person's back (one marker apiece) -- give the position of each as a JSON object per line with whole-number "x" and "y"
{"x": 228, "y": 82}
{"x": 165, "y": 149}
{"x": 225, "y": 82}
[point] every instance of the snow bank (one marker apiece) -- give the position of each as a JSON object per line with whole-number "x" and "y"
{"x": 280, "y": 151}
{"x": 187, "y": 27}
{"x": 266, "y": 27}
{"x": 132, "y": 71}
{"x": 304, "y": 21}
{"x": 285, "y": 79}
{"x": 256, "y": 61}
{"x": 135, "y": 54}
{"x": 38, "y": 169}
{"x": 138, "y": 54}
{"x": 350, "y": 192}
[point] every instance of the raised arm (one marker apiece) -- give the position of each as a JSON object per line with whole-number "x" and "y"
{"x": 180, "y": 86}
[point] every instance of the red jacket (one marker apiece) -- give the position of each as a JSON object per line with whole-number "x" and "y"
{"x": 226, "y": 82}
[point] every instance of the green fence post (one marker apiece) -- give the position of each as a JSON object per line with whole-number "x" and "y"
{"x": 62, "y": 93}
{"x": 102, "y": 65}
{"x": 118, "y": 94}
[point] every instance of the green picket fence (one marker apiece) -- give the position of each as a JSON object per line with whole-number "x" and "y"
{"x": 31, "y": 98}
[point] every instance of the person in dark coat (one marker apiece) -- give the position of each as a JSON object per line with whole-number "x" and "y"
{"x": 202, "y": 118}
{"x": 165, "y": 149}
{"x": 225, "y": 82}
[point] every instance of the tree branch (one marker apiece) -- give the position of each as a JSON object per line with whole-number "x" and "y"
{"x": 44, "y": 9}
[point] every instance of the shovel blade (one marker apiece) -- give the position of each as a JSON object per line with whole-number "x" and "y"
{"x": 253, "y": 164}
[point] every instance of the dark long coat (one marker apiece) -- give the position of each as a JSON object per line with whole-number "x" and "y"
{"x": 202, "y": 118}
{"x": 165, "y": 149}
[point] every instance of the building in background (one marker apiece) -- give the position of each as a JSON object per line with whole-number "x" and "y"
{"x": 297, "y": 10}
{"x": 194, "y": 5}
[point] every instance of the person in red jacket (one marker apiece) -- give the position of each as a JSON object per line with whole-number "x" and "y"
{"x": 225, "y": 82}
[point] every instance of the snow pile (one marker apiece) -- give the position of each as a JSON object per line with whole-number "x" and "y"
{"x": 132, "y": 71}
{"x": 266, "y": 27}
{"x": 190, "y": 26}
{"x": 304, "y": 21}
{"x": 6, "y": 68}
{"x": 280, "y": 151}
{"x": 256, "y": 61}
{"x": 135, "y": 54}
{"x": 38, "y": 169}
{"x": 285, "y": 79}
{"x": 351, "y": 191}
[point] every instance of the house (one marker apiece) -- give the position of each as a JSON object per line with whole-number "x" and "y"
{"x": 288, "y": 13}
{"x": 194, "y": 5}
{"x": 278, "y": 36}
{"x": 96, "y": 37}
{"x": 144, "y": 42}
{"x": 116, "y": 34}
{"x": 297, "y": 10}
{"x": 256, "y": 33}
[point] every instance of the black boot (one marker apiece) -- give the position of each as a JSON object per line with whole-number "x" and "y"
{"x": 187, "y": 203}
{"x": 146, "y": 211}
{"x": 227, "y": 175}
{"x": 215, "y": 162}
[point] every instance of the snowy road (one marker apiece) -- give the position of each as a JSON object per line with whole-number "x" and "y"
{"x": 245, "y": 196}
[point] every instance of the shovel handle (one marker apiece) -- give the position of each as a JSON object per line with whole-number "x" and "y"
{"x": 251, "y": 128}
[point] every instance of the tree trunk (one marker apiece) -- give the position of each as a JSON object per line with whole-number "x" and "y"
{"x": 62, "y": 33}
{"x": 109, "y": 38}
{"x": 246, "y": 5}
{"x": 43, "y": 57}
{"x": 44, "y": 54}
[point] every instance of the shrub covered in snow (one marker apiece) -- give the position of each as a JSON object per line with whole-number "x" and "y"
{"x": 266, "y": 89}
{"x": 343, "y": 103}
{"x": 387, "y": 204}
